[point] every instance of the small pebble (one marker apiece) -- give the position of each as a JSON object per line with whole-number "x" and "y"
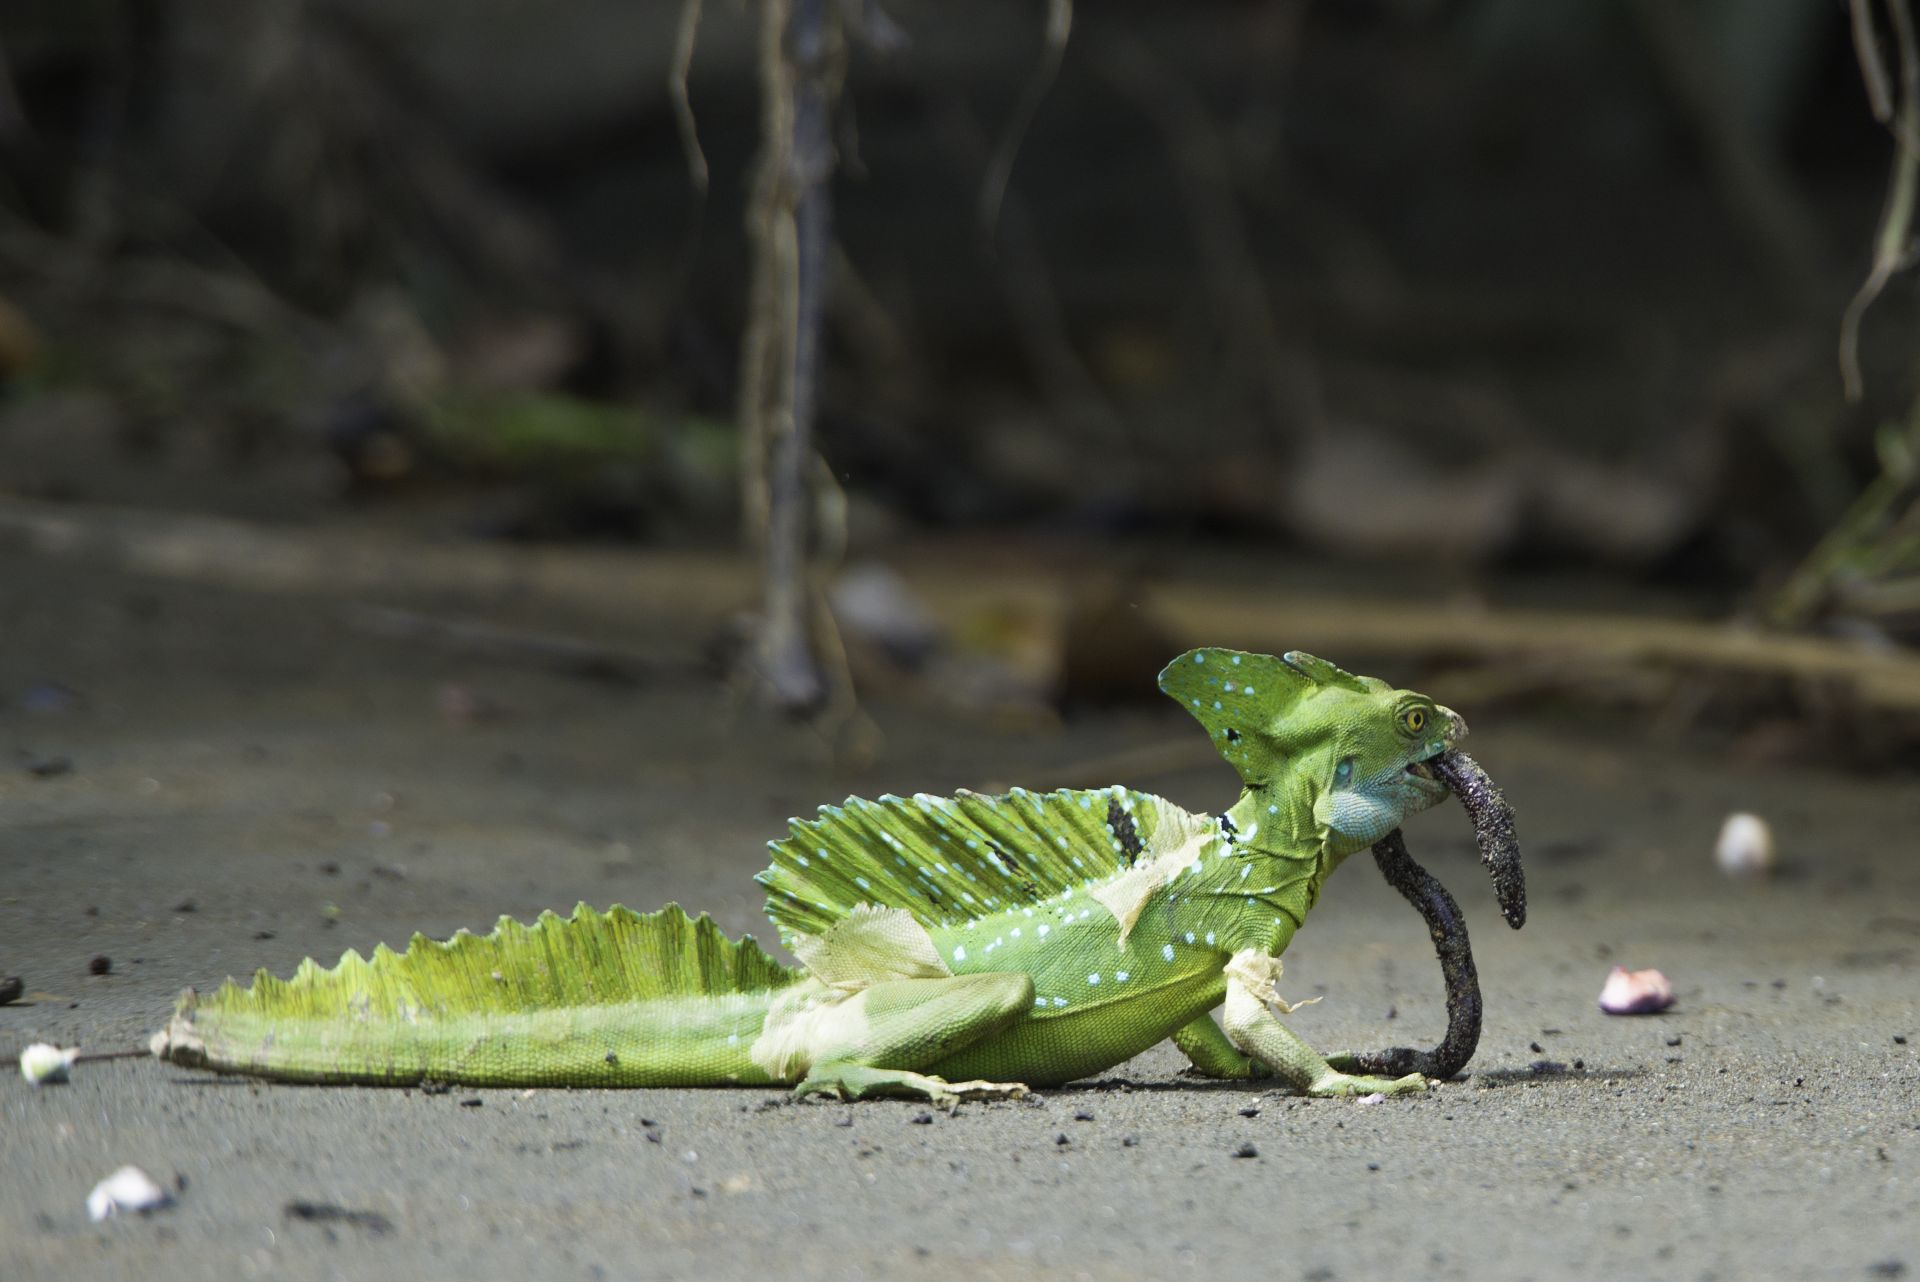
{"x": 127, "y": 1189}
{"x": 42, "y": 1064}
{"x": 1635, "y": 992}
{"x": 99, "y": 964}
{"x": 923, "y": 1119}
{"x": 1249, "y": 1112}
{"x": 1083, "y": 1116}
{"x": 1130, "y": 1141}
{"x": 1899, "y": 1039}
{"x": 1062, "y": 1140}
{"x": 1745, "y": 847}
{"x": 1246, "y": 1150}
{"x": 11, "y": 988}
{"x": 1378, "y": 1097}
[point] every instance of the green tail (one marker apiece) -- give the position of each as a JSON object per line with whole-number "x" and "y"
{"x": 607, "y": 999}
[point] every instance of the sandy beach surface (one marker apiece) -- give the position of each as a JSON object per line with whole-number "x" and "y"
{"x": 199, "y": 782}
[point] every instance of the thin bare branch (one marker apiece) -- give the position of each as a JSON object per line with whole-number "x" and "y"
{"x": 1873, "y": 68}
{"x": 684, "y": 37}
{"x": 1893, "y": 243}
{"x": 993, "y": 188}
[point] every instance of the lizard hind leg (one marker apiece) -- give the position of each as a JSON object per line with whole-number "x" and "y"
{"x": 877, "y": 1041}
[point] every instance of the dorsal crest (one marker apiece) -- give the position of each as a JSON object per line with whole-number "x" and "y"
{"x": 947, "y": 860}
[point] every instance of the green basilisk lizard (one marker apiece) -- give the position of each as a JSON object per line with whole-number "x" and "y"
{"x": 949, "y": 947}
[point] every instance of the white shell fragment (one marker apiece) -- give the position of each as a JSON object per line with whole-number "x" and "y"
{"x": 41, "y": 1064}
{"x": 1635, "y": 992}
{"x": 1745, "y": 847}
{"x": 127, "y": 1189}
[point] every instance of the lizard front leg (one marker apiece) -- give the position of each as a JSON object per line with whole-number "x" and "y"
{"x": 874, "y": 1042}
{"x": 1252, "y": 1026}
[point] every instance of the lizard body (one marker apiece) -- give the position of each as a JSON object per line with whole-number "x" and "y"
{"x": 949, "y": 947}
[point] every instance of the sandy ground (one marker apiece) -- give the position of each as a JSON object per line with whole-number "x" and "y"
{"x": 251, "y": 781}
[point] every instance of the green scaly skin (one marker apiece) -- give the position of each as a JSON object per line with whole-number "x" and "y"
{"x": 950, "y": 947}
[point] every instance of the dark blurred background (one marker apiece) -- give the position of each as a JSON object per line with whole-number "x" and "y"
{"x": 1529, "y": 304}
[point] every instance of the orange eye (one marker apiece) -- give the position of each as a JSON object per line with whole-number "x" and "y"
{"x": 1415, "y": 720}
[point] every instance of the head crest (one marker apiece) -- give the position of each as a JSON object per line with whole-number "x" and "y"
{"x": 1242, "y": 698}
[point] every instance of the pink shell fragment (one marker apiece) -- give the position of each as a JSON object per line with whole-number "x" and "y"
{"x": 1635, "y": 992}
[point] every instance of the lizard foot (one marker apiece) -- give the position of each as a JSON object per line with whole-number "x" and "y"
{"x": 988, "y": 1090}
{"x": 1334, "y": 1082}
{"x": 859, "y": 1081}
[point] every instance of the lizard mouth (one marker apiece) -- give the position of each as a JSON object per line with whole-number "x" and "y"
{"x": 1424, "y": 768}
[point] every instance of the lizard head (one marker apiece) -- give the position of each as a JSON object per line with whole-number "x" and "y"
{"x": 1355, "y": 750}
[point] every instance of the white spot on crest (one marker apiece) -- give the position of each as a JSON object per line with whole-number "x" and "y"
{"x": 1059, "y": 1001}
{"x": 1121, "y": 976}
{"x": 1166, "y": 951}
{"x": 1042, "y": 929}
{"x": 960, "y": 954}
{"x": 862, "y": 883}
{"x": 1015, "y": 932}
{"x": 1094, "y": 978}
{"x": 1189, "y": 937}
{"x": 1199, "y": 658}
{"x": 1236, "y": 660}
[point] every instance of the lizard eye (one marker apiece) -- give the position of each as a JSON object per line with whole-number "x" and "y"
{"x": 1415, "y": 720}
{"x": 1343, "y": 773}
